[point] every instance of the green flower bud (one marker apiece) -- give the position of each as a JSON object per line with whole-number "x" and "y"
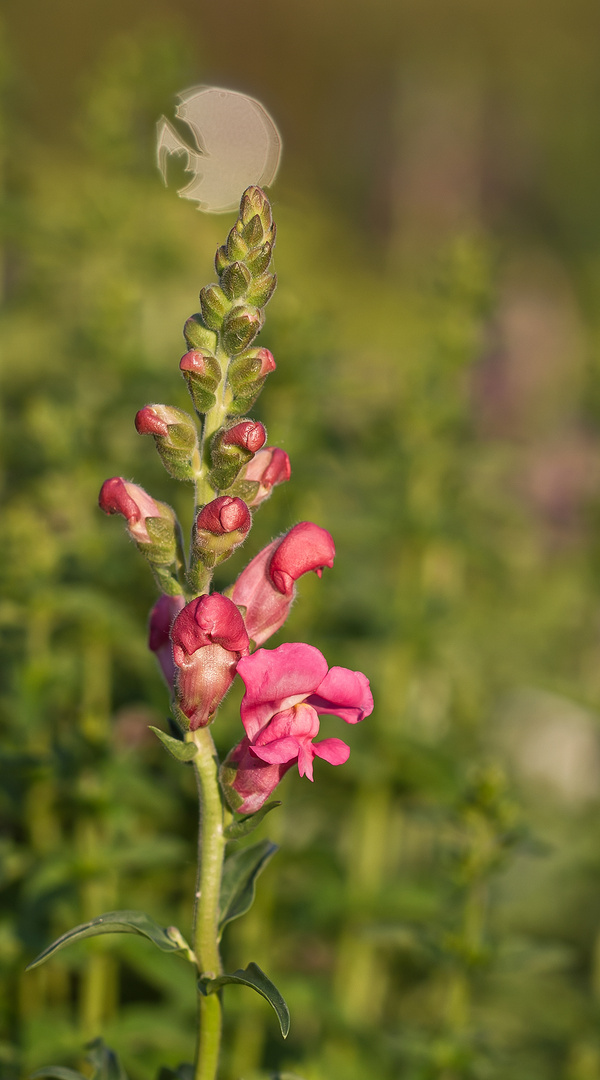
{"x": 202, "y": 374}
{"x": 235, "y": 280}
{"x": 240, "y": 327}
{"x": 246, "y": 376}
{"x": 258, "y": 260}
{"x": 261, "y": 289}
{"x": 214, "y": 306}
{"x": 198, "y": 336}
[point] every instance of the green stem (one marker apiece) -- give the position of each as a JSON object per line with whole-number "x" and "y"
{"x": 211, "y": 851}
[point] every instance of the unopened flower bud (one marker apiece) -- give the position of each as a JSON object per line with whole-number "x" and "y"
{"x": 159, "y": 640}
{"x": 198, "y": 336}
{"x": 267, "y": 468}
{"x": 236, "y": 247}
{"x": 266, "y": 588}
{"x": 152, "y": 524}
{"x": 235, "y": 280}
{"x": 202, "y": 374}
{"x": 258, "y": 260}
{"x": 214, "y": 306}
{"x": 220, "y": 527}
{"x": 240, "y": 326}
{"x": 261, "y": 289}
{"x": 246, "y": 377}
{"x": 232, "y": 448}
{"x": 208, "y": 637}
{"x": 175, "y": 436}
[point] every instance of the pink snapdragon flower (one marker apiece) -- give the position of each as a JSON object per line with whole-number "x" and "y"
{"x": 286, "y": 689}
{"x": 266, "y": 588}
{"x": 208, "y": 637}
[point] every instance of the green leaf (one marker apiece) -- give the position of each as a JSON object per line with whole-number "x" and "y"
{"x": 244, "y": 826}
{"x": 57, "y": 1073}
{"x": 105, "y": 1061}
{"x": 117, "y": 922}
{"x": 183, "y": 751}
{"x": 256, "y": 979}
{"x": 238, "y": 886}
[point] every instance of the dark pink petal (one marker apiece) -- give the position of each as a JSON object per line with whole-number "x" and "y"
{"x": 306, "y": 547}
{"x": 212, "y": 619}
{"x": 119, "y": 496}
{"x": 334, "y": 751}
{"x": 277, "y": 679}
{"x": 344, "y": 693}
{"x": 224, "y": 515}
{"x": 278, "y": 751}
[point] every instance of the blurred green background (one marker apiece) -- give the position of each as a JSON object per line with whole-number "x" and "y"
{"x": 434, "y": 911}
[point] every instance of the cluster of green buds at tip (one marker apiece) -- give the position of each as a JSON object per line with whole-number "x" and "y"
{"x": 225, "y": 454}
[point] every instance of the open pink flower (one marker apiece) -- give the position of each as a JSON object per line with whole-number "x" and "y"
{"x": 208, "y": 637}
{"x": 286, "y": 689}
{"x": 266, "y": 588}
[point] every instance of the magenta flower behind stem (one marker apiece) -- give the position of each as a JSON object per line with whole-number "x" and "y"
{"x": 208, "y": 637}
{"x": 266, "y": 588}
{"x": 161, "y": 619}
{"x": 286, "y": 689}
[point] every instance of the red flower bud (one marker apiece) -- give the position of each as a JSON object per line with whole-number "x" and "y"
{"x": 208, "y": 637}
{"x": 248, "y": 435}
{"x": 118, "y": 496}
{"x": 149, "y": 422}
{"x": 266, "y": 587}
{"x": 224, "y": 515}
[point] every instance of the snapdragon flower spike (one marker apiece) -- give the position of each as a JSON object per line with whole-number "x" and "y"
{"x": 176, "y": 438}
{"x": 209, "y": 638}
{"x": 161, "y": 619}
{"x": 202, "y": 373}
{"x": 286, "y": 690}
{"x": 152, "y": 524}
{"x": 268, "y": 467}
{"x": 266, "y": 588}
{"x": 232, "y": 448}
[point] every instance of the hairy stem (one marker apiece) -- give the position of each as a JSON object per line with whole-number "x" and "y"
{"x": 211, "y": 851}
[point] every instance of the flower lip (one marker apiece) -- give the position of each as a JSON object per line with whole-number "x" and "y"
{"x": 306, "y": 547}
{"x": 207, "y": 620}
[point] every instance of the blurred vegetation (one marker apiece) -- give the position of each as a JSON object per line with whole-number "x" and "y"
{"x": 433, "y": 912}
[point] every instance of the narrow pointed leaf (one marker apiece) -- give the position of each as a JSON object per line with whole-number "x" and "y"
{"x": 239, "y": 880}
{"x": 114, "y": 922}
{"x": 256, "y": 979}
{"x": 245, "y": 825}
{"x": 183, "y": 751}
{"x": 56, "y": 1072}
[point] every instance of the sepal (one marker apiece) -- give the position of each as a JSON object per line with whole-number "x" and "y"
{"x": 197, "y": 335}
{"x": 239, "y": 327}
{"x": 202, "y": 373}
{"x": 215, "y": 306}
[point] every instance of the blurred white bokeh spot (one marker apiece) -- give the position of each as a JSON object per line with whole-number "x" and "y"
{"x": 236, "y": 144}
